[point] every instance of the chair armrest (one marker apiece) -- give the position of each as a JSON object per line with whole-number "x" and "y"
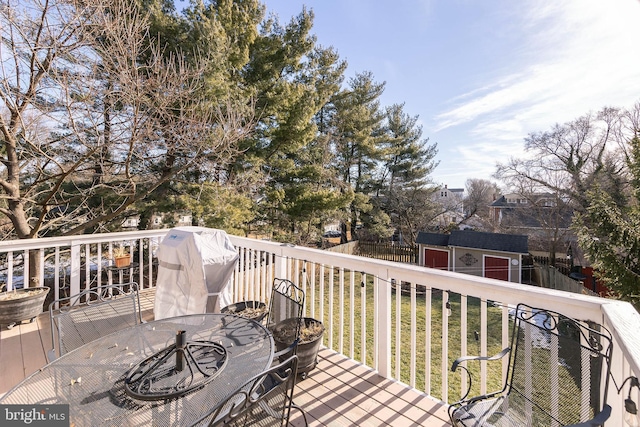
{"x": 287, "y": 350}
{"x": 598, "y": 420}
{"x": 459, "y": 360}
{"x": 498, "y": 356}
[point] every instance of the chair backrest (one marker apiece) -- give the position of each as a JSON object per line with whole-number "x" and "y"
{"x": 267, "y": 396}
{"x": 287, "y": 301}
{"x": 91, "y": 314}
{"x": 559, "y": 365}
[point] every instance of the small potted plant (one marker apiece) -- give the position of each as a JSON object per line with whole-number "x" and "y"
{"x": 121, "y": 257}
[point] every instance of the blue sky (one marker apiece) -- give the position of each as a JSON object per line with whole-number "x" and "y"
{"x": 482, "y": 74}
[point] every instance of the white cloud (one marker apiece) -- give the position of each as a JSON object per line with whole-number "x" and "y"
{"x": 580, "y": 56}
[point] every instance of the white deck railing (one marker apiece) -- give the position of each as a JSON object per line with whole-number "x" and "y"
{"x": 412, "y": 336}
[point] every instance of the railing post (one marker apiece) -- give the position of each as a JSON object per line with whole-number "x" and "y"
{"x": 75, "y": 261}
{"x": 383, "y": 323}
{"x": 281, "y": 267}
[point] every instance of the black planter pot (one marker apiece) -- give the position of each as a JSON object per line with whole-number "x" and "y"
{"x": 16, "y": 310}
{"x": 307, "y": 351}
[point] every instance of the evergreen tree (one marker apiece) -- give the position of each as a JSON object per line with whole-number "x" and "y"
{"x": 609, "y": 232}
{"x": 407, "y": 162}
{"x": 220, "y": 34}
{"x": 407, "y": 159}
{"x": 356, "y": 131}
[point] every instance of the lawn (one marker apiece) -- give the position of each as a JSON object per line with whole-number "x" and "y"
{"x": 347, "y": 296}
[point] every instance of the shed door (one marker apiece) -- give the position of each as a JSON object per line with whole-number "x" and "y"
{"x": 496, "y": 268}
{"x": 436, "y": 259}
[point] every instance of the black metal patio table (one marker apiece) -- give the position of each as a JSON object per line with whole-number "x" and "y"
{"x": 169, "y": 372}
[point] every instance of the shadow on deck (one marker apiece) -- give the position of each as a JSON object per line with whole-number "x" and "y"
{"x": 338, "y": 392}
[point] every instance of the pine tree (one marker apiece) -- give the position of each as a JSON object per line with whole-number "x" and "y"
{"x": 407, "y": 162}
{"x": 356, "y": 131}
{"x": 609, "y": 232}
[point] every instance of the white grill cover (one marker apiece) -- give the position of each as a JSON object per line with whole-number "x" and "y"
{"x": 194, "y": 268}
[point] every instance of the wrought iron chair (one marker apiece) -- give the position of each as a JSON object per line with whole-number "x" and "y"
{"x": 558, "y": 376}
{"x": 91, "y": 314}
{"x": 264, "y": 400}
{"x": 287, "y": 302}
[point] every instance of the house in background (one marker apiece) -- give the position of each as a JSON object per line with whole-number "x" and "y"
{"x": 532, "y": 211}
{"x": 452, "y": 207}
{"x": 160, "y": 220}
{"x": 544, "y": 217}
{"x": 492, "y": 255}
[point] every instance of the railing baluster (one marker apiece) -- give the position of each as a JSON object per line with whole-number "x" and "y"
{"x": 412, "y": 377}
{"x": 352, "y": 279}
{"x": 87, "y": 266}
{"x": 99, "y": 267}
{"x": 74, "y": 274}
{"x": 330, "y": 320}
{"x": 141, "y": 264}
{"x": 56, "y": 276}
{"x": 41, "y": 278}
{"x": 463, "y": 338}
{"x": 321, "y": 294}
{"x": 506, "y": 336}
{"x": 10, "y": 286}
{"x": 554, "y": 374}
{"x": 263, "y": 274}
{"x": 312, "y": 300}
{"x": 383, "y": 322}
{"x": 363, "y": 321}
{"x": 25, "y": 270}
{"x": 341, "y": 310}
{"x": 398, "y": 327}
{"x": 427, "y": 341}
{"x": 483, "y": 345}
{"x": 444, "y": 363}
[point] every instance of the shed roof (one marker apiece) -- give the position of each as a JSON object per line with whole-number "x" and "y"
{"x": 515, "y": 243}
{"x": 436, "y": 239}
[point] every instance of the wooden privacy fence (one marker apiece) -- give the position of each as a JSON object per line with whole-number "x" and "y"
{"x": 552, "y": 278}
{"x": 389, "y": 252}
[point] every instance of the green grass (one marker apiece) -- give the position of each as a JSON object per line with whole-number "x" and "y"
{"x": 494, "y": 328}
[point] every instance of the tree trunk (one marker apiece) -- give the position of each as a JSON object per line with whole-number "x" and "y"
{"x": 34, "y": 269}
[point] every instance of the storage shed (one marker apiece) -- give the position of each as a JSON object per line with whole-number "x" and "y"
{"x": 492, "y": 255}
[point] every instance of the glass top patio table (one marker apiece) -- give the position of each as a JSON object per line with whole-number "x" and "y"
{"x": 91, "y": 378}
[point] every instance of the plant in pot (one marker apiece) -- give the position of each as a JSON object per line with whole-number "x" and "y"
{"x": 310, "y": 332}
{"x": 254, "y": 310}
{"x": 21, "y": 304}
{"x": 121, "y": 257}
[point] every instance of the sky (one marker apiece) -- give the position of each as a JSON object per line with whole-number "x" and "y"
{"x": 483, "y": 74}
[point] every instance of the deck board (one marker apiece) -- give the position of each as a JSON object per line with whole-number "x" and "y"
{"x": 339, "y": 392}
{"x": 11, "y": 361}
{"x": 33, "y": 351}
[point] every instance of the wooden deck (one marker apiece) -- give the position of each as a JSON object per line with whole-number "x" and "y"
{"x": 339, "y": 392}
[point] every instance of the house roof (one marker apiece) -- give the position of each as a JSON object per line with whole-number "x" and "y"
{"x": 501, "y": 201}
{"x": 515, "y": 243}
{"x": 535, "y": 217}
